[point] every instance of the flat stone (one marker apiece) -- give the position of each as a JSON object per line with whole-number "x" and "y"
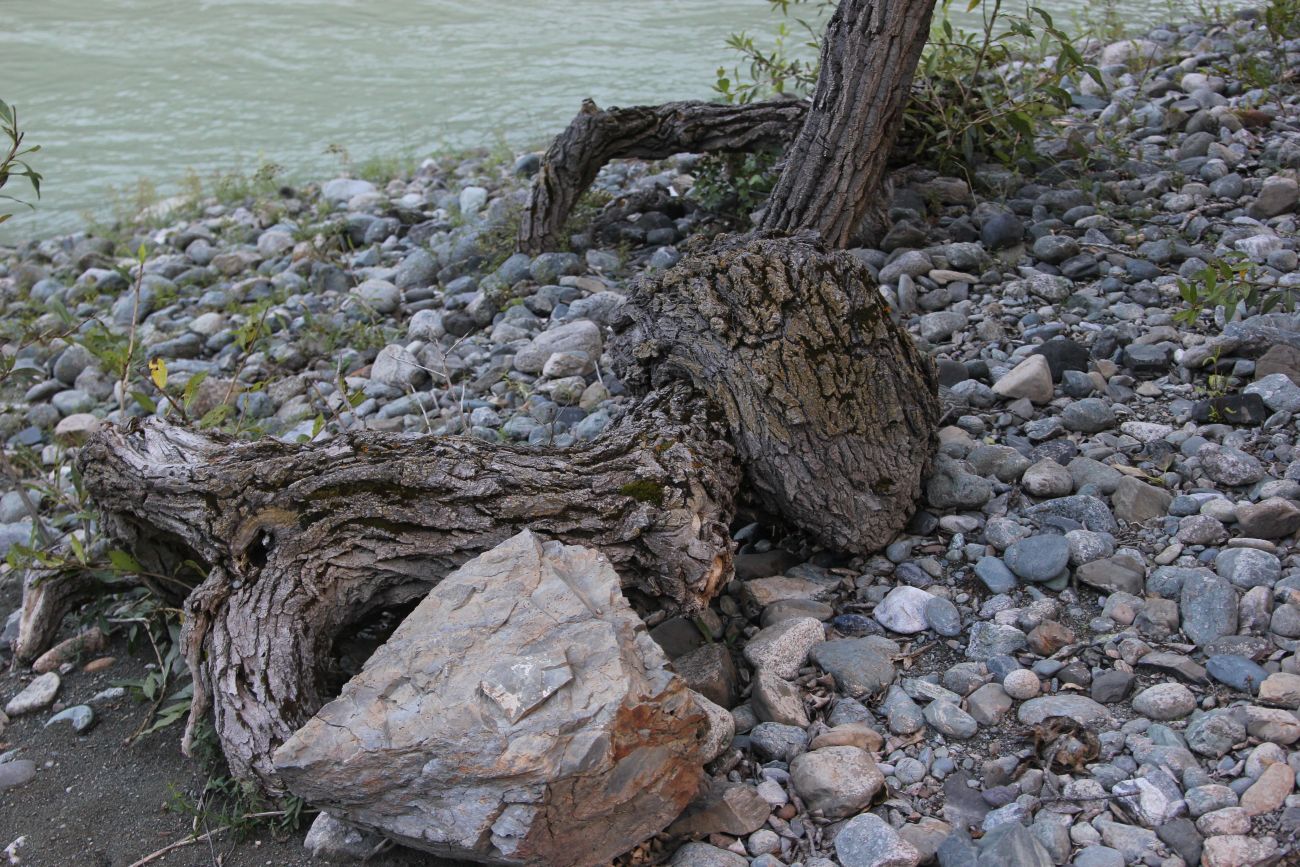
{"x": 987, "y": 639}
{"x": 703, "y": 855}
{"x": 328, "y": 839}
{"x": 1165, "y": 701}
{"x": 723, "y": 808}
{"x": 1078, "y": 707}
{"x": 80, "y": 717}
{"x": 1230, "y": 466}
{"x": 1118, "y": 574}
{"x": 1247, "y": 567}
{"x": 1236, "y": 850}
{"x": 1208, "y": 605}
{"x": 1282, "y": 689}
{"x": 16, "y": 773}
{"x": 1012, "y": 843}
{"x": 950, "y": 720}
{"x": 1272, "y": 518}
{"x": 38, "y": 694}
{"x": 778, "y": 742}
{"x": 869, "y": 841}
{"x": 527, "y": 657}
{"x": 860, "y": 666}
{"x": 775, "y": 699}
{"x": 711, "y": 671}
{"x": 1038, "y": 558}
{"x": 1237, "y": 672}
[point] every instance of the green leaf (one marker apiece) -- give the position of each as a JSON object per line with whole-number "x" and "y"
{"x": 77, "y": 549}
{"x": 145, "y": 401}
{"x": 191, "y": 390}
{"x": 123, "y": 562}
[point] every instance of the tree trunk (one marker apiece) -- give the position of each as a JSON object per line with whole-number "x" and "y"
{"x": 827, "y": 400}
{"x": 834, "y": 169}
{"x": 650, "y": 132}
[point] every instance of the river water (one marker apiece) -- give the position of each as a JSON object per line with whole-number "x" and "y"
{"x": 119, "y": 90}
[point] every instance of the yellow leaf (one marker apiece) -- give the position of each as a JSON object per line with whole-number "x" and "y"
{"x": 158, "y": 373}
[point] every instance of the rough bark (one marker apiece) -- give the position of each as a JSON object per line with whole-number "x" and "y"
{"x": 597, "y": 136}
{"x": 301, "y": 542}
{"x": 829, "y": 403}
{"x": 835, "y": 166}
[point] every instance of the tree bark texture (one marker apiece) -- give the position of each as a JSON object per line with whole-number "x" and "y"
{"x": 302, "y": 541}
{"x": 597, "y": 136}
{"x": 827, "y": 400}
{"x": 835, "y": 166}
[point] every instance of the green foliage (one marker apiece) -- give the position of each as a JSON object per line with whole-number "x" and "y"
{"x": 977, "y": 96}
{"x": 13, "y": 162}
{"x": 735, "y": 185}
{"x": 1228, "y": 282}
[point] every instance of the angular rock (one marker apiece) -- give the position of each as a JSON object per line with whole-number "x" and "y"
{"x": 1031, "y": 378}
{"x": 1137, "y": 502}
{"x": 723, "y": 808}
{"x": 782, "y": 649}
{"x": 1078, "y": 707}
{"x": 328, "y": 839}
{"x": 520, "y": 714}
{"x": 1273, "y": 518}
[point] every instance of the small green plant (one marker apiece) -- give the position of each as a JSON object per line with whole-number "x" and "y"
{"x": 735, "y": 185}
{"x": 977, "y": 96}
{"x": 1229, "y": 281}
{"x": 13, "y": 163}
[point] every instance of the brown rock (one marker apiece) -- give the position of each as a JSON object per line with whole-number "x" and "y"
{"x": 1113, "y": 574}
{"x": 1049, "y": 636}
{"x": 100, "y": 664}
{"x": 1280, "y": 358}
{"x": 520, "y": 715}
{"x": 712, "y": 673}
{"x": 90, "y": 641}
{"x": 723, "y": 808}
{"x": 777, "y": 700}
{"x": 1269, "y": 792}
{"x": 1274, "y": 518}
{"x": 858, "y": 735}
{"x": 1281, "y": 689}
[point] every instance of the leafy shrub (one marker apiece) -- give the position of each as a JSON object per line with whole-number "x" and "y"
{"x": 13, "y": 162}
{"x": 977, "y": 95}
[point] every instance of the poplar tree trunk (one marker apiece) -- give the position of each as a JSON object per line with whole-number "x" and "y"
{"x": 836, "y": 165}
{"x": 767, "y": 358}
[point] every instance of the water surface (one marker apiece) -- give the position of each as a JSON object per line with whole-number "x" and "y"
{"x": 118, "y": 90}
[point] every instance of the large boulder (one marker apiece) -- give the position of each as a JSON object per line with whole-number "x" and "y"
{"x": 520, "y": 715}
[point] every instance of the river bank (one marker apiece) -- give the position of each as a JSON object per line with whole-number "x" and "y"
{"x": 1082, "y": 651}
